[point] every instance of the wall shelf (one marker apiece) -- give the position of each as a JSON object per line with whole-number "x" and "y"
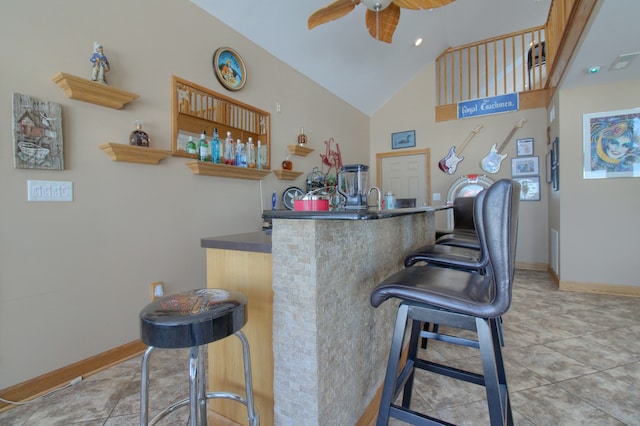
{"x": 134, "y": 154}
{"x": 225, "y": 170}
{"x": 300, "y": 150}
{"x": 89, "y": 91}
{"x": 286, "y": 174}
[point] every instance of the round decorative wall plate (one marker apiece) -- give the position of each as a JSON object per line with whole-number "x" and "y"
{"x": 229, "y": 68}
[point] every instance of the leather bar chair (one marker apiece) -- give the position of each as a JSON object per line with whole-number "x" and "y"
{"x": 458, "y": 299}
{"x": 463, "y": 233}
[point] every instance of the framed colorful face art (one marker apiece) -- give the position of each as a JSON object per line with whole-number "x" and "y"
{"x": 611, "y": 144}
{"x": 229, "y": 68}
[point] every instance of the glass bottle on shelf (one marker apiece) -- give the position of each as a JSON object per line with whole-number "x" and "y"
{"x": 191, "y": 148}
{"x": 229, "y": 151}
{"x": 302, "y": 138}
{"x": 251, "y": 155}
{"x": 139, "y": 137}
{"x": 260, "y": 156}
{"x": 239, "y": 149}
{"x": 215, "y": 147}
{"x": 203, "y": 147}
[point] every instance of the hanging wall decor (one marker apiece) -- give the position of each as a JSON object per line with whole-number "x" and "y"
{"x": 37, "y": 134}
{"x": 611, "y": 144}
{"x": 229, "y": 68}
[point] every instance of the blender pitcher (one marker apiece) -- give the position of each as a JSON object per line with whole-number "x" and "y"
{"x": 353, "y": 183}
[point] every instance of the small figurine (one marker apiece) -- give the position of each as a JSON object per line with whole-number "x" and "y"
{"x": 100, "y": 64}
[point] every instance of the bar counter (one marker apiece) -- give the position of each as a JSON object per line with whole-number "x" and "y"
{"x": 319, "y": 350}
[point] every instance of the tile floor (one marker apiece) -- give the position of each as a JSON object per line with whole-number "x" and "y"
{"x": 571, "y": 359}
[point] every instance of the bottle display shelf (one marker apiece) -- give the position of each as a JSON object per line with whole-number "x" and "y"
{"x": 300, "y": 150}
{"x": 134, "y": 154}
{"x": 89, "y": 91}
{"x": 225, "y": 170}
{"x": 286, "y": 174}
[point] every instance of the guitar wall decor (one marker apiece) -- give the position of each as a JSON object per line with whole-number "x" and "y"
{"x": 450, "y": 162}
{"x": 491, "y": 163}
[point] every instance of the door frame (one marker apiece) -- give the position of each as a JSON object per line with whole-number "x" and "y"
{"x": 427, "y": 158}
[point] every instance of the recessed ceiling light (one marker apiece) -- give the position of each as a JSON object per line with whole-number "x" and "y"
{"x": 418, "y": 42}
{"x": 593, "y": 70}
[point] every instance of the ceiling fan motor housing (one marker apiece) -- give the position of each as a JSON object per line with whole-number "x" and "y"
{"x": 376, "y": 5}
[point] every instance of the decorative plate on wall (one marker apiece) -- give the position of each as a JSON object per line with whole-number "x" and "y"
{"x": 229, "y": 68}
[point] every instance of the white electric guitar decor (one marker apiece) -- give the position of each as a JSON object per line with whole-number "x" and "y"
{"x": 491, "y": 163}
{"x": 449, "y": 163}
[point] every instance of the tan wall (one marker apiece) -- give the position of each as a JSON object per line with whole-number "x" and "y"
{"x": 413, "y": 108}
{"x": 74, "y": 276}
{"x": 599, "y": 217}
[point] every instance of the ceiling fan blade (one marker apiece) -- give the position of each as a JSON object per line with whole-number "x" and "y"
{"x": 386, "y": 24}
{"x": 335, "y": 10}
{"x": 421, "y": 4}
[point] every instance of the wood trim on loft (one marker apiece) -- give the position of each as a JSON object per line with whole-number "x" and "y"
{"x": 558, "y": 58}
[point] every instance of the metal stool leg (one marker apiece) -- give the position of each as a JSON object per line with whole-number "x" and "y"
{"x": 254, "y": 419}
{"x": 144, "y": 388}
{"x": 202, "y": 392}
{"x": 193, "y": 387}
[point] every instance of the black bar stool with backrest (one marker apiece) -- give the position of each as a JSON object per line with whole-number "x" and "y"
{"x": 458, "y": 299}
{"x": 463, "y": 233}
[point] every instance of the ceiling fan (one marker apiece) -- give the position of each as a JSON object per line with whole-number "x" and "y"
{"x": 382, "y": 15}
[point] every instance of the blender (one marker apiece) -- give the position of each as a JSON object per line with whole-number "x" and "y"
{"x": 353, "y": 183}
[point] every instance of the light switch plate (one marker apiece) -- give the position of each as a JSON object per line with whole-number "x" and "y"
{"x": 47, "y": 190}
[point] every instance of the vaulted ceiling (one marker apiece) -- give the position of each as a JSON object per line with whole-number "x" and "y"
{"x": 342, "y": 57}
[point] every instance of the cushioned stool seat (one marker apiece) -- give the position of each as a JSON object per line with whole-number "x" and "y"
{"x": 457, "y": 299}
{"x": 191, "y": 320}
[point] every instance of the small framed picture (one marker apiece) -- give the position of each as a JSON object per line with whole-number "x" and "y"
{"x": 529, "y": 188}
{"x": 229, "y": 68}
{"x": 524, "y": 147}
{"x": 524, "y": 166}
{"x": 405, "y": 139}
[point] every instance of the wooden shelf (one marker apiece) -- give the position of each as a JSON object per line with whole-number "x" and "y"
{"x": 286, "y": 174}
{"x": 134, "y": 154}
{"x": 225, "y": 170}
{"x": 92, "y": 92}
{"x": 300, "y": 150}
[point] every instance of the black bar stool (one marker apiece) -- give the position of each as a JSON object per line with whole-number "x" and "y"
{"x": 192, "y": 320}
{"x": 459, "y": 299}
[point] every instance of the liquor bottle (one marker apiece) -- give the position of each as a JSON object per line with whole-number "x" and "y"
{"x": 239, "y": 150}
{"x": 203, "y": 147}
{"x": 139, "y": 137}
{"x": 215, "y": 147}
{"x": 229, "y": 151}
{"x": 191, "y": 146}
{"x": 302, "y": 138}
{"x": 251, "y": 155}
{"x": 259, "y": 156}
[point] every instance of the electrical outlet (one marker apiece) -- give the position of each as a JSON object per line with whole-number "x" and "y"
{"x": 46, "y": 190}
{"x": 157, "y": 290}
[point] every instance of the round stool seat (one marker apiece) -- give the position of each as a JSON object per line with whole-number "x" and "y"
{"x": 192, "y": 318}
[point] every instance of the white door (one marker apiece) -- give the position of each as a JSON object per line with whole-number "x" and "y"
{"x": 406, "y": 174}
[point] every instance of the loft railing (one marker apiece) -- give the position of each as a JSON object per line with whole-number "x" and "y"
{"x": 496, "y": 66}
{"x": 516, "y": 62}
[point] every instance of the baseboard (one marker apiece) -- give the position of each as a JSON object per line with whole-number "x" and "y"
{"x": 531, "y": 266}
{"x": 60, "y": 377}
{"x": 615, "y": 290}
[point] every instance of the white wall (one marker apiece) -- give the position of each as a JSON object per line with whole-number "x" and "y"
{"x": 599, "y": 238}
{"x": 74, "y": 276}
{"x": 413, "y": 108}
